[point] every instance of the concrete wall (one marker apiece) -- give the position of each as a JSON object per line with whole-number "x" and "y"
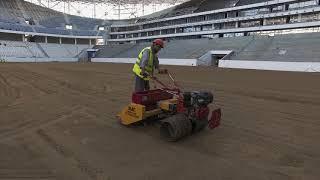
{"x": 13, "y": 59}
{"x": 179, "y": 62}
{"x": 271, "y": 65}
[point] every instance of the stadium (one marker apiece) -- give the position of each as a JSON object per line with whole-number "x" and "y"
{"x": 66, "y": 73}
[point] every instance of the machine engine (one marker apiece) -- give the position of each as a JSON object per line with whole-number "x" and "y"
{"x": 197, "y": 110}
{"x": 197, "y": 98}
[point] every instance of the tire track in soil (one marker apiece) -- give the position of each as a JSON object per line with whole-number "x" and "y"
{"x": 257, "y": 115}
{"x": 236, "y": 100}
{"x": 17, "y": 162}
{"x": 232, "y": 133}
{"x": 153, "y": 132}
{"x": 261, "y": 94}
{"x": 3, "y": 86}
{"x": 8, "y": 89}
{"x": 80, "y": 163}
{"x": 59, "y": 85}
{"x": 32, "y": 125}
{"x": 257, "y": 107}
{"x": 251, "y": 129}
{"x": 30, "y": 79}
{"x": 66, "y": 87}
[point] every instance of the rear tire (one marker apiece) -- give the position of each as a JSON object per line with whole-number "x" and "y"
{"x": 175, "y": 127}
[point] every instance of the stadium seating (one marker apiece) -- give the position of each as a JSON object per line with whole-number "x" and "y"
{"x": 130, "y": 52}
{"x": 179, "y": 49}
{"x": 196, "y": 6}
{"x": 35, "y": 50}
{"x": 255, "y": 48}
{"x": 208, "y": 5}
{"x": 74, "y": 50}
{"x": 19, "y": 49}
{"x": 62, "y": 50}
{"x": 297, "y": 47}
{"x": 15, "y": 27}
{"x": 114, "y": 50}
{"x": 39, "y": 50}
{"x": 53, "y": 19}
{"x": 15, "y": 12}
{"x": 293, "y": 47}
{"x": 246, "y": 2}
{"x": 189, "y": 7}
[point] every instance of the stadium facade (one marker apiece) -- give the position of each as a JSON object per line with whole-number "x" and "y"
{"x": 242, "y": 18}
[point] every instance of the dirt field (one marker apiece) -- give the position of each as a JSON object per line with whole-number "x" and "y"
{"x": 57, "y": 121}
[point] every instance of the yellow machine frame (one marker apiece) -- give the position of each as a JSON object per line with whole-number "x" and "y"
{"x": 136, "y": 112}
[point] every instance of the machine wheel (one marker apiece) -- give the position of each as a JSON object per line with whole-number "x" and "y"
{"x": 199, "y": 125}
{"x": 175, "y": 127}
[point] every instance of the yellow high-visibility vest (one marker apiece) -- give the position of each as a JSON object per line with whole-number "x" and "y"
{"x": 149, "y": 67}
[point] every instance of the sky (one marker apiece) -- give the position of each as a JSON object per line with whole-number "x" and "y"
{"x": 103, "y": 11}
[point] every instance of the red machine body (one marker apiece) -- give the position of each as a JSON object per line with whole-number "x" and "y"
{"x": 194, "y": 105}
{"x": 150, "y": 98}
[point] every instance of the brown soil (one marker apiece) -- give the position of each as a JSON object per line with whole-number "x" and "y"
{"x": 57, "y": 121}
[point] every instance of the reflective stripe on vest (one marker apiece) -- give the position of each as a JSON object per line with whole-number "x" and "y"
{"x": 149, "y": 67}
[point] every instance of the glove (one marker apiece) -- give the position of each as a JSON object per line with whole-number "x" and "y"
{"x": 145, "y": 74}
{"x": 163, "y": 71}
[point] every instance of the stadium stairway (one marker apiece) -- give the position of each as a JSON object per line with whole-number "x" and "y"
{"x": 42, "y": 50}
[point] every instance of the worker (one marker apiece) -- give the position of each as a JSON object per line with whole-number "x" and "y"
{"x": 146, "y": 63}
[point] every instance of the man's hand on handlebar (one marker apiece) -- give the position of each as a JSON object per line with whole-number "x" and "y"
{"x": 145, "y": 74}
{"x": 163, "y": 71}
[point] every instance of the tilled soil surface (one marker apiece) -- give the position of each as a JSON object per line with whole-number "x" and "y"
{"x": 58, "y": 121}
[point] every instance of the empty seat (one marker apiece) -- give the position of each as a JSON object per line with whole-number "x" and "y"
{"x": 14, "y": 12}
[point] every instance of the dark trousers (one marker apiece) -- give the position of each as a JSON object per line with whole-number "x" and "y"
{"x": 141, "y": 84}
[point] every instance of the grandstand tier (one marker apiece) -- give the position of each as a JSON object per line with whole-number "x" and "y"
{"x": 220, "y": 18}
{"x": 39, "y": 50}
{"x": 286, "y": 48}
{"x": 19, "y": 15}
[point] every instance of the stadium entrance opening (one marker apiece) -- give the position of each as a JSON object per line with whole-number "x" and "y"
{"x": 218, "y": 55}
{"x": 215, "y": 58}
